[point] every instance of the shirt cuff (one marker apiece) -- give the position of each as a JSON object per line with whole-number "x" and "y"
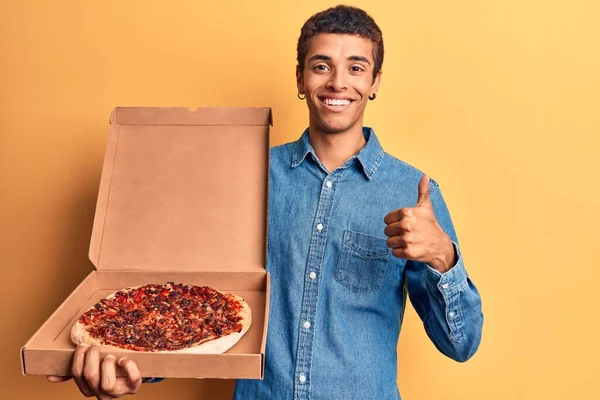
{"x": 152, "y": 380}
{"x": 451, "y": 281}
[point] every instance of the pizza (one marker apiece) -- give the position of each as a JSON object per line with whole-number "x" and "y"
{"x": 170, "y": 317}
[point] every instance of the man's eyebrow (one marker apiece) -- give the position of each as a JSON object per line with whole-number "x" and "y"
{"x": 359, "y": 58}
{"x": 319, "y": 57}
{"x": 323, "y": 57}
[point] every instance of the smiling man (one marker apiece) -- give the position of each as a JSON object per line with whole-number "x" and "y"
{"x": 352, "y": 230}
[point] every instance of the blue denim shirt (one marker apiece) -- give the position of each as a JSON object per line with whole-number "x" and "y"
{"x": 337, "y": 293}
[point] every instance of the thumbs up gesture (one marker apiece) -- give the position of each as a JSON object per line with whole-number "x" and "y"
{"x": 414, "y": 233}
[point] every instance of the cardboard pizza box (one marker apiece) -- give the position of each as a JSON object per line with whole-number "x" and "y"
{"x": 182, "y": 198}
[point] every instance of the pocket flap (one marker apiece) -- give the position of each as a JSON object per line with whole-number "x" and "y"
{"x": 367, "y": 246}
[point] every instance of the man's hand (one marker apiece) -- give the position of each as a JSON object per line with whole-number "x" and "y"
{"x": 96, "y": 377}
{"x": 414, "y": 233}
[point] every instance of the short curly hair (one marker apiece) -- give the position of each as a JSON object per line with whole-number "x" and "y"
{"x": 342, "y": 20}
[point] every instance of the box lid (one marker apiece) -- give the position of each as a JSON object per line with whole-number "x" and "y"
{"x": 183, "y": 190}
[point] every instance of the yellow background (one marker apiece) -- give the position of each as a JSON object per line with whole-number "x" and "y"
{"x": 497, "y": 100}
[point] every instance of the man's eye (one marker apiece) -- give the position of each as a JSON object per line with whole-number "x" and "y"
{"x": 356, "y": 68}
{"x": 320, "y": 67}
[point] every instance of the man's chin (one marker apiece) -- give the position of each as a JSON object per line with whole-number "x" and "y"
{"x": 335, "y": 126}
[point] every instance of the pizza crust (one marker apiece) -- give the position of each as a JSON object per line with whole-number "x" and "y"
{"x": 217, "y": 346}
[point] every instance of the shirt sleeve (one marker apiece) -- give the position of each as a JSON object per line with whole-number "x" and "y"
{"x": 449, "y": 304}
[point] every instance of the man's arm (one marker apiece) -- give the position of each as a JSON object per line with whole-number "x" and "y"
{"x": 449, "y": 306}
{"x": 444, "y": 297}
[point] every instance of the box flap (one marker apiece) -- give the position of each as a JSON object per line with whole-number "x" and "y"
{"x": 183, "y": 190}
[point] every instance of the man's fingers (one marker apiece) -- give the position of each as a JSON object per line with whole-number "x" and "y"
{"x": 399, "y": 253}
{"x": 396, "y": 242}
{"x": 91, "y": 368}
{"x": 134, "y": 378}
{"x": 108, "y": 375}
{"x": 400, "y": 228}
{"x": 407, "y": 253}
{"x": 78, "y": 360}
{"x": 77, "y": 369}
{"x": 424, "y": 199}
{"x": 398, "y": 215}
{"x": 56, "y": 379}
{"x": 402, "y": 241}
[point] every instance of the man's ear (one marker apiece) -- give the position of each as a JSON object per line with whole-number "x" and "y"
{"x": 299, "y": 80}
{"x": 376, "y": 82}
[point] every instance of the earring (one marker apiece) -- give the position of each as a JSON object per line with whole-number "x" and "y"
{"x": 372, "y": 97}
{"x": 300, "y": 96}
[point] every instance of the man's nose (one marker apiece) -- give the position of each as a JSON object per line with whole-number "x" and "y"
{"x": 337, "y": 81}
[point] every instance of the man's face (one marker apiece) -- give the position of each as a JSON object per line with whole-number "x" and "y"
{"x": 337, "y": 81}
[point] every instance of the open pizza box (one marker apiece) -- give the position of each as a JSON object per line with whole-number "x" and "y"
{"x": 182, "y": 198}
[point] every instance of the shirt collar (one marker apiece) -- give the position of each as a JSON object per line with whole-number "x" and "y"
{"x": 369, "y": 157}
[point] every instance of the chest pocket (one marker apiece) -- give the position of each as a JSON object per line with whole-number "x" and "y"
{"x": 362, "y": 262}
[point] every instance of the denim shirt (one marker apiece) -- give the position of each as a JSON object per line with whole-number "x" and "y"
{"x": 337, "y": 292}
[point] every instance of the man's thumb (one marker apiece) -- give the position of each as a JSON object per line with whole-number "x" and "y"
{"x": 424, "y": 198}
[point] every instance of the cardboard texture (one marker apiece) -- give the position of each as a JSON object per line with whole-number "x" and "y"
{"x": 183, "y": 198}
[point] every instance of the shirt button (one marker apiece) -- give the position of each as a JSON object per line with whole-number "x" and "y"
{"x": 312, "y": 275}
{"x": 307, "y": 324}
{"x": 302, "y": 378}
{"x": 320, "y": 227}
{"x": 328, "y": 183}
{"x": 445, "y": 286}
{"x": 451, "y": 314}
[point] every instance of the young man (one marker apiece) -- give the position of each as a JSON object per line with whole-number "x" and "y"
{"x": 351, "y": 231}
{"x": 338, "y": 290}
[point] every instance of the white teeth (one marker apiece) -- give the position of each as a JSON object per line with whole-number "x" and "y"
{"x": 337, "y": 102}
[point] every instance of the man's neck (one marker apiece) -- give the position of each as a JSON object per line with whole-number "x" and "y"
{"x": 334, "y": 149}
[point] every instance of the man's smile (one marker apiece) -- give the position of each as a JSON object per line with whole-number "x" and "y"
{"x": 335, "y": 104}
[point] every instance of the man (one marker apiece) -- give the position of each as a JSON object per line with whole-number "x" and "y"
{"x": 351, "y": 231}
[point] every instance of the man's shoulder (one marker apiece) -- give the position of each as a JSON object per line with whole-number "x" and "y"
{"x": 399, "y": 168}
{"x": 282, "y": 147}
{"x": 282, "y": 152}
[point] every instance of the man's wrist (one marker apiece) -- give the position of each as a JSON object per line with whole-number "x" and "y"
{"x": 446, "y": 259}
